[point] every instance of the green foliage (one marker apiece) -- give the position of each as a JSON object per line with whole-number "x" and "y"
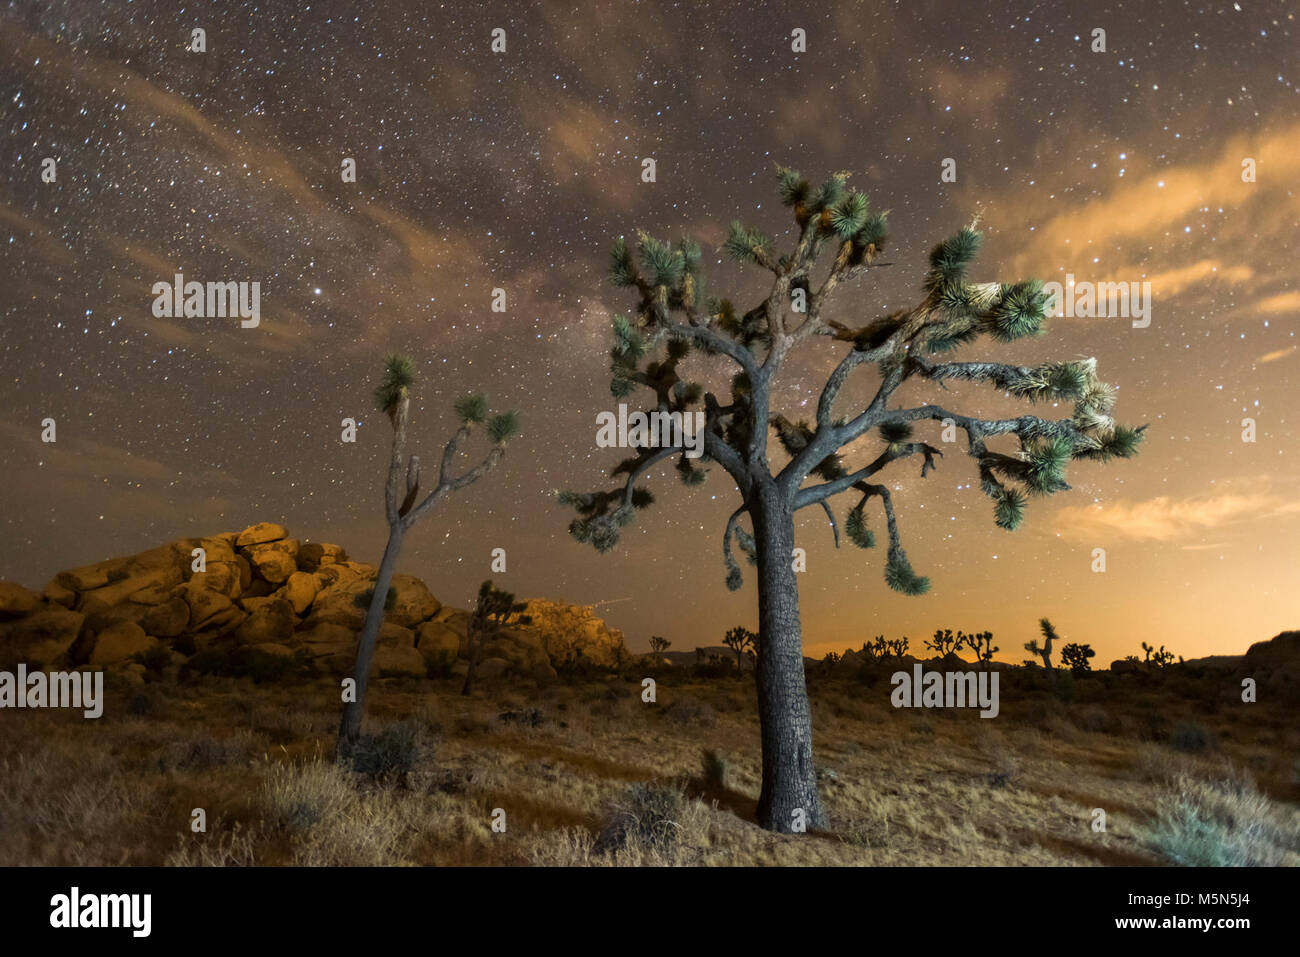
{"x": 472, "y": 408}
{"x": 900, "y": 577}
{"x": 855, "y": 526}
{"x": 1066, "y": 380}
{"x": 874, "y": 231}
{"x": 1009, "y": 508}
{"x": 949, "y": 259}
{"x": 793, "y": 187}
{"x": 399, "y": 375}
{"x": 747, "y": 244}
{"x": 503, "y": 426}
{"x": 1019, "y": 311}
{"x": 663, "y": 265}
{"x": 830, "y": 192}
{"x": 952, "y": 334}
{"x": 1121, "y": 443}
{"x": 630, "y": 344}
{"x": 622, "y": 271}
{"x": 1047, "y": 460}
{"x": 849, "y": 215}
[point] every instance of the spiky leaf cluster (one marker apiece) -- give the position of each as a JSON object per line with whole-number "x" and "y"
{"x": 855, "y": 526}
{"x": 503, "y": 426}
{"x": 900, "y": 576}
{"x": 472, "y": 409}
{"x": 399, "y": 375}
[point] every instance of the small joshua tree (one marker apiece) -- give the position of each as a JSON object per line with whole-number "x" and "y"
{"x": 659, "y": 645}
{"x": 739, "y": 639}
{"x": 943, "y": 642}
{"x": 404, "y": 508}
{"x": 898, "y": 646}
{"x": 1162, "y": 658}
{"x": 1045, "y": 651}
{"x": 494, "y": 609}
{"x": 1075, "y": 657}
{"x": 1148, "y": 649}
{"x": 982, "y": 645}
{"x": 839, "y": 239}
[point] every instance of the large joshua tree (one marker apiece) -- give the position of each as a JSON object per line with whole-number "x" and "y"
{"x": 392, "y": 397}
{"x": 674, "y": 317}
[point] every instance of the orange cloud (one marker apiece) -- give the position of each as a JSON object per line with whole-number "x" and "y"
{"x": 1277, "y": 354}
{"x": 1164, "y": 519}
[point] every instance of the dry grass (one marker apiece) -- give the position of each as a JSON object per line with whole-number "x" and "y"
{"x": 605, "y": 779}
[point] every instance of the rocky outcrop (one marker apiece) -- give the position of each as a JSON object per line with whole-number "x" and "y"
{"x": 1275, "y": 666}
{"x": 261, "y": 589}
{"x": 571, "y": 633}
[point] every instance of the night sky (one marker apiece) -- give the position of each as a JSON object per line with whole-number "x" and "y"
{"x": 479, "y": 170}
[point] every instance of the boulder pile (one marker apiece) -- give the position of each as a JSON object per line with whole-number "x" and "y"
{"x": 262, "y": 589}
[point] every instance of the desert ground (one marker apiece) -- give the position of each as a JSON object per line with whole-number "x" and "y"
{"x": 587, "y": 773}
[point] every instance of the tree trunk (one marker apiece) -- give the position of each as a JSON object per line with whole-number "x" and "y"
{"x": 785, "y": 719}
{"x": 473, "y": 638}
{"x": 353, "y": 711}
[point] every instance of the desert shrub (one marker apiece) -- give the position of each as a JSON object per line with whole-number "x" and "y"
{"x": 868, "y": 830}
{"x": 200, "y": 753}
{"x": 527, "y": 717}
{"x": 713, "y": 670}
{"x": 1096, "y": 720}
{"x": 713, "y": 770}
{"x": 390, "y": 756}
{"x": 647, "y": 817}
{"x": 155, "y": 659}
{"x": 144, "y": 704}
{"x": 328, "y": 821}
{"x": 1152, "y": 726}
{"x": 242, "y": 661}
{"x": 1190, "y": 736}
{"x": 1223, "y": 823}
{"x": 692, "y": 711}
{"x": 235, "y": 847}
{"x": 297, "y": 797}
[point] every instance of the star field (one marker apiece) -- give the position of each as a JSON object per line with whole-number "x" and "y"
{"x": 479, "y": 170}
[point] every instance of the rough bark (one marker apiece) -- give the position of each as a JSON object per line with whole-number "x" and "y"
{"x": 350, "y": 728}
{"x": 785, "y": 718}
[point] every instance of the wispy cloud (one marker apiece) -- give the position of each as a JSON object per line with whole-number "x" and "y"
{"x": 1166, "y": 519}
{"x": 1277, "y": 354}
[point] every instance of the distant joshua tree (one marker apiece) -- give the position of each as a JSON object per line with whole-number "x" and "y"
{"x": 739, "y": 639}
{"x": 897, "y": 647}
{"x": 1075, "y": 657}
{"x": 982, "y": 645}
{"x": 1045, "y": 651}
{"x": 494, "y": 610}
{"x": 832, "y": 659}
{"x": 839, "y": 238}
{"x": 1162, "y": 658}
{"x": 943, "y": 642}
{"x": 659, "y": 645}
{"x": 392, "y": 397}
